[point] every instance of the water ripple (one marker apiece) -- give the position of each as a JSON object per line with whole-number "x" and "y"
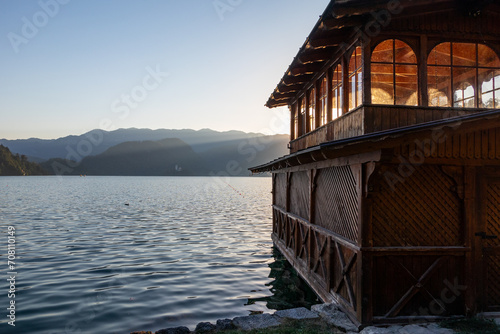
{"x": 184, "y": 250}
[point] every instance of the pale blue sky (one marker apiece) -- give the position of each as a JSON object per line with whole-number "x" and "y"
{"x": 70, "y": 66}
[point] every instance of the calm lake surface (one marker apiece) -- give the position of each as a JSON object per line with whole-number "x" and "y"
{"x": 119, "y": 254}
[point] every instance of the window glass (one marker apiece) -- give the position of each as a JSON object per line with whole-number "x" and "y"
{"x": 312, "y": 110}
{"x": 323, "y": 101}
{"x": 394, "y": 78}
{"x": 440, "y": 55}
{"x": 337, "y": 92}
{"x": 464, "y": 54}
{"x": 467, "y": 76}
{"x": 355, "y": 79}
{"x": 439, "y": 85}
{"x": 383, "y": 53}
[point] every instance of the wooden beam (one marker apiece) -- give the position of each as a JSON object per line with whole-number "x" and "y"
{"x": 316, "y": 55}
{"x": 299, "y": 79}
{"x": 306, "y": 69}
{"x": 330, "y": 23}
{"x": 283, "y": 96}
{"x": 288, "y": 89}
{"x": 330, "y": 39}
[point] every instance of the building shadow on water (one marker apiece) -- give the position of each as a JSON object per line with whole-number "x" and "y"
{"x": 288, "y": 289}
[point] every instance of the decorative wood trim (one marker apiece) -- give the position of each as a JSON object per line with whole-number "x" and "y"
{"x": 457, "y": 174}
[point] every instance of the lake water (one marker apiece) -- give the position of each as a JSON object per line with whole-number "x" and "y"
{"x": 120, "y": 254}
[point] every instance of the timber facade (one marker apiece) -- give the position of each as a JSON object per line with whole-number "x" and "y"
{"x": 389, "y": 201}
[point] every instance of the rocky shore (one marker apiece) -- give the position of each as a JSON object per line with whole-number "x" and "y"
{"x": 328, "y": 313}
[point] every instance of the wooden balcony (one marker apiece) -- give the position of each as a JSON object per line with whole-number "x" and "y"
{"x": 373, "y": 118}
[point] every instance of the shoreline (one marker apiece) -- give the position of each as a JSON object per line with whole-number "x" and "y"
{"x": 323, "y": 318}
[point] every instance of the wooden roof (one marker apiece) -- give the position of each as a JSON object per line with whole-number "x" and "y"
{"x": 383, "y": 140}
{"x": 340, "y": 23}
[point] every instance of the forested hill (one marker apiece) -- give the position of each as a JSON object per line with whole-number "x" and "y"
{"x": 13, "y": 165}
{"x": 167, "y": 157}
{"x": 174, "y": 157}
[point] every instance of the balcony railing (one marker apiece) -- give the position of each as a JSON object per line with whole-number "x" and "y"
{"x": 374, "y": 118}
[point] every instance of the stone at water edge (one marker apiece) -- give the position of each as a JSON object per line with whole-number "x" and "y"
{"x": 225, "y": 324}
{"x": 176, "y": 330}
{"x": 334, "y": 316}
{"x": 297, "y": 313}
{"x": 205, "y": 327}
{"x": 256, "y": 321}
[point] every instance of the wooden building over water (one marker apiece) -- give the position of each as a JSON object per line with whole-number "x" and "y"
{"x": 389, "y": 201}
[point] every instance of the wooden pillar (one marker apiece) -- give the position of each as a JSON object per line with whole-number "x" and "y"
{"x": 423, "y": 96}
{"x": 293, "y": 110}
{"x": 317, "y": 118}
{"x": 288, "y": 181}
{"x": 312, "y": 195}
{"x": 329, "y": 103}
{"x": 300, "y": 118}
{"x": 366, "y": 69}
{"x": 308, "y": 122}
{"x": 345, "y": 84}
{"x": 365, "y": 261}
{"x": 473, "y": 260}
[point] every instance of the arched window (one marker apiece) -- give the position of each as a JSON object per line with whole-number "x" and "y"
{"x": 337, "y": 92}
{"x": 311, "y": 113}
{"x": 323, "y": 101}
{"x": 355, "y": 79}
{"x": 463, "y": 75}
{"x": 394, "y": 74}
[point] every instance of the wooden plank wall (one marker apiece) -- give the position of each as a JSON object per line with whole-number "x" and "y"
{"x": 483, "y": 145}
{"x": 380, "y": 118}
{"x": 445, "y": 21}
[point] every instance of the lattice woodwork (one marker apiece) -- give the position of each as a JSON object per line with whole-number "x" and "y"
{"x": 492, "y": 281}
{"x": 337, "y": 201}
{"x": 280, "y": 190}
{"x": 493, "y": 214}
{"x": 492, "y": 208}
{"x": 299, "y": 194}
{"x": 422, "y": 210}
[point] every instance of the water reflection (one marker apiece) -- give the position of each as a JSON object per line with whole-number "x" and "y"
{"x": 288, "y": 289}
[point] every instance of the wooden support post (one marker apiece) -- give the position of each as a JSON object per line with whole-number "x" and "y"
{"x": 308, "y": 121}
{"x": 366, "y": 70}
{"x": 473, "y": 260}
{"x": 423, "y": 96}
{"x": 288, "y": 180}
{"x": 317, "y": 118}
{"x": 345, "y": 84}
{"x": 329, "y": 103}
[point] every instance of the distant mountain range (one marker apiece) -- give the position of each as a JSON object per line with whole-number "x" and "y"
{"x": 152, "y": 152}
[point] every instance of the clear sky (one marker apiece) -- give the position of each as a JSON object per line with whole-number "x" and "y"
{"x": 70, "y": 66}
